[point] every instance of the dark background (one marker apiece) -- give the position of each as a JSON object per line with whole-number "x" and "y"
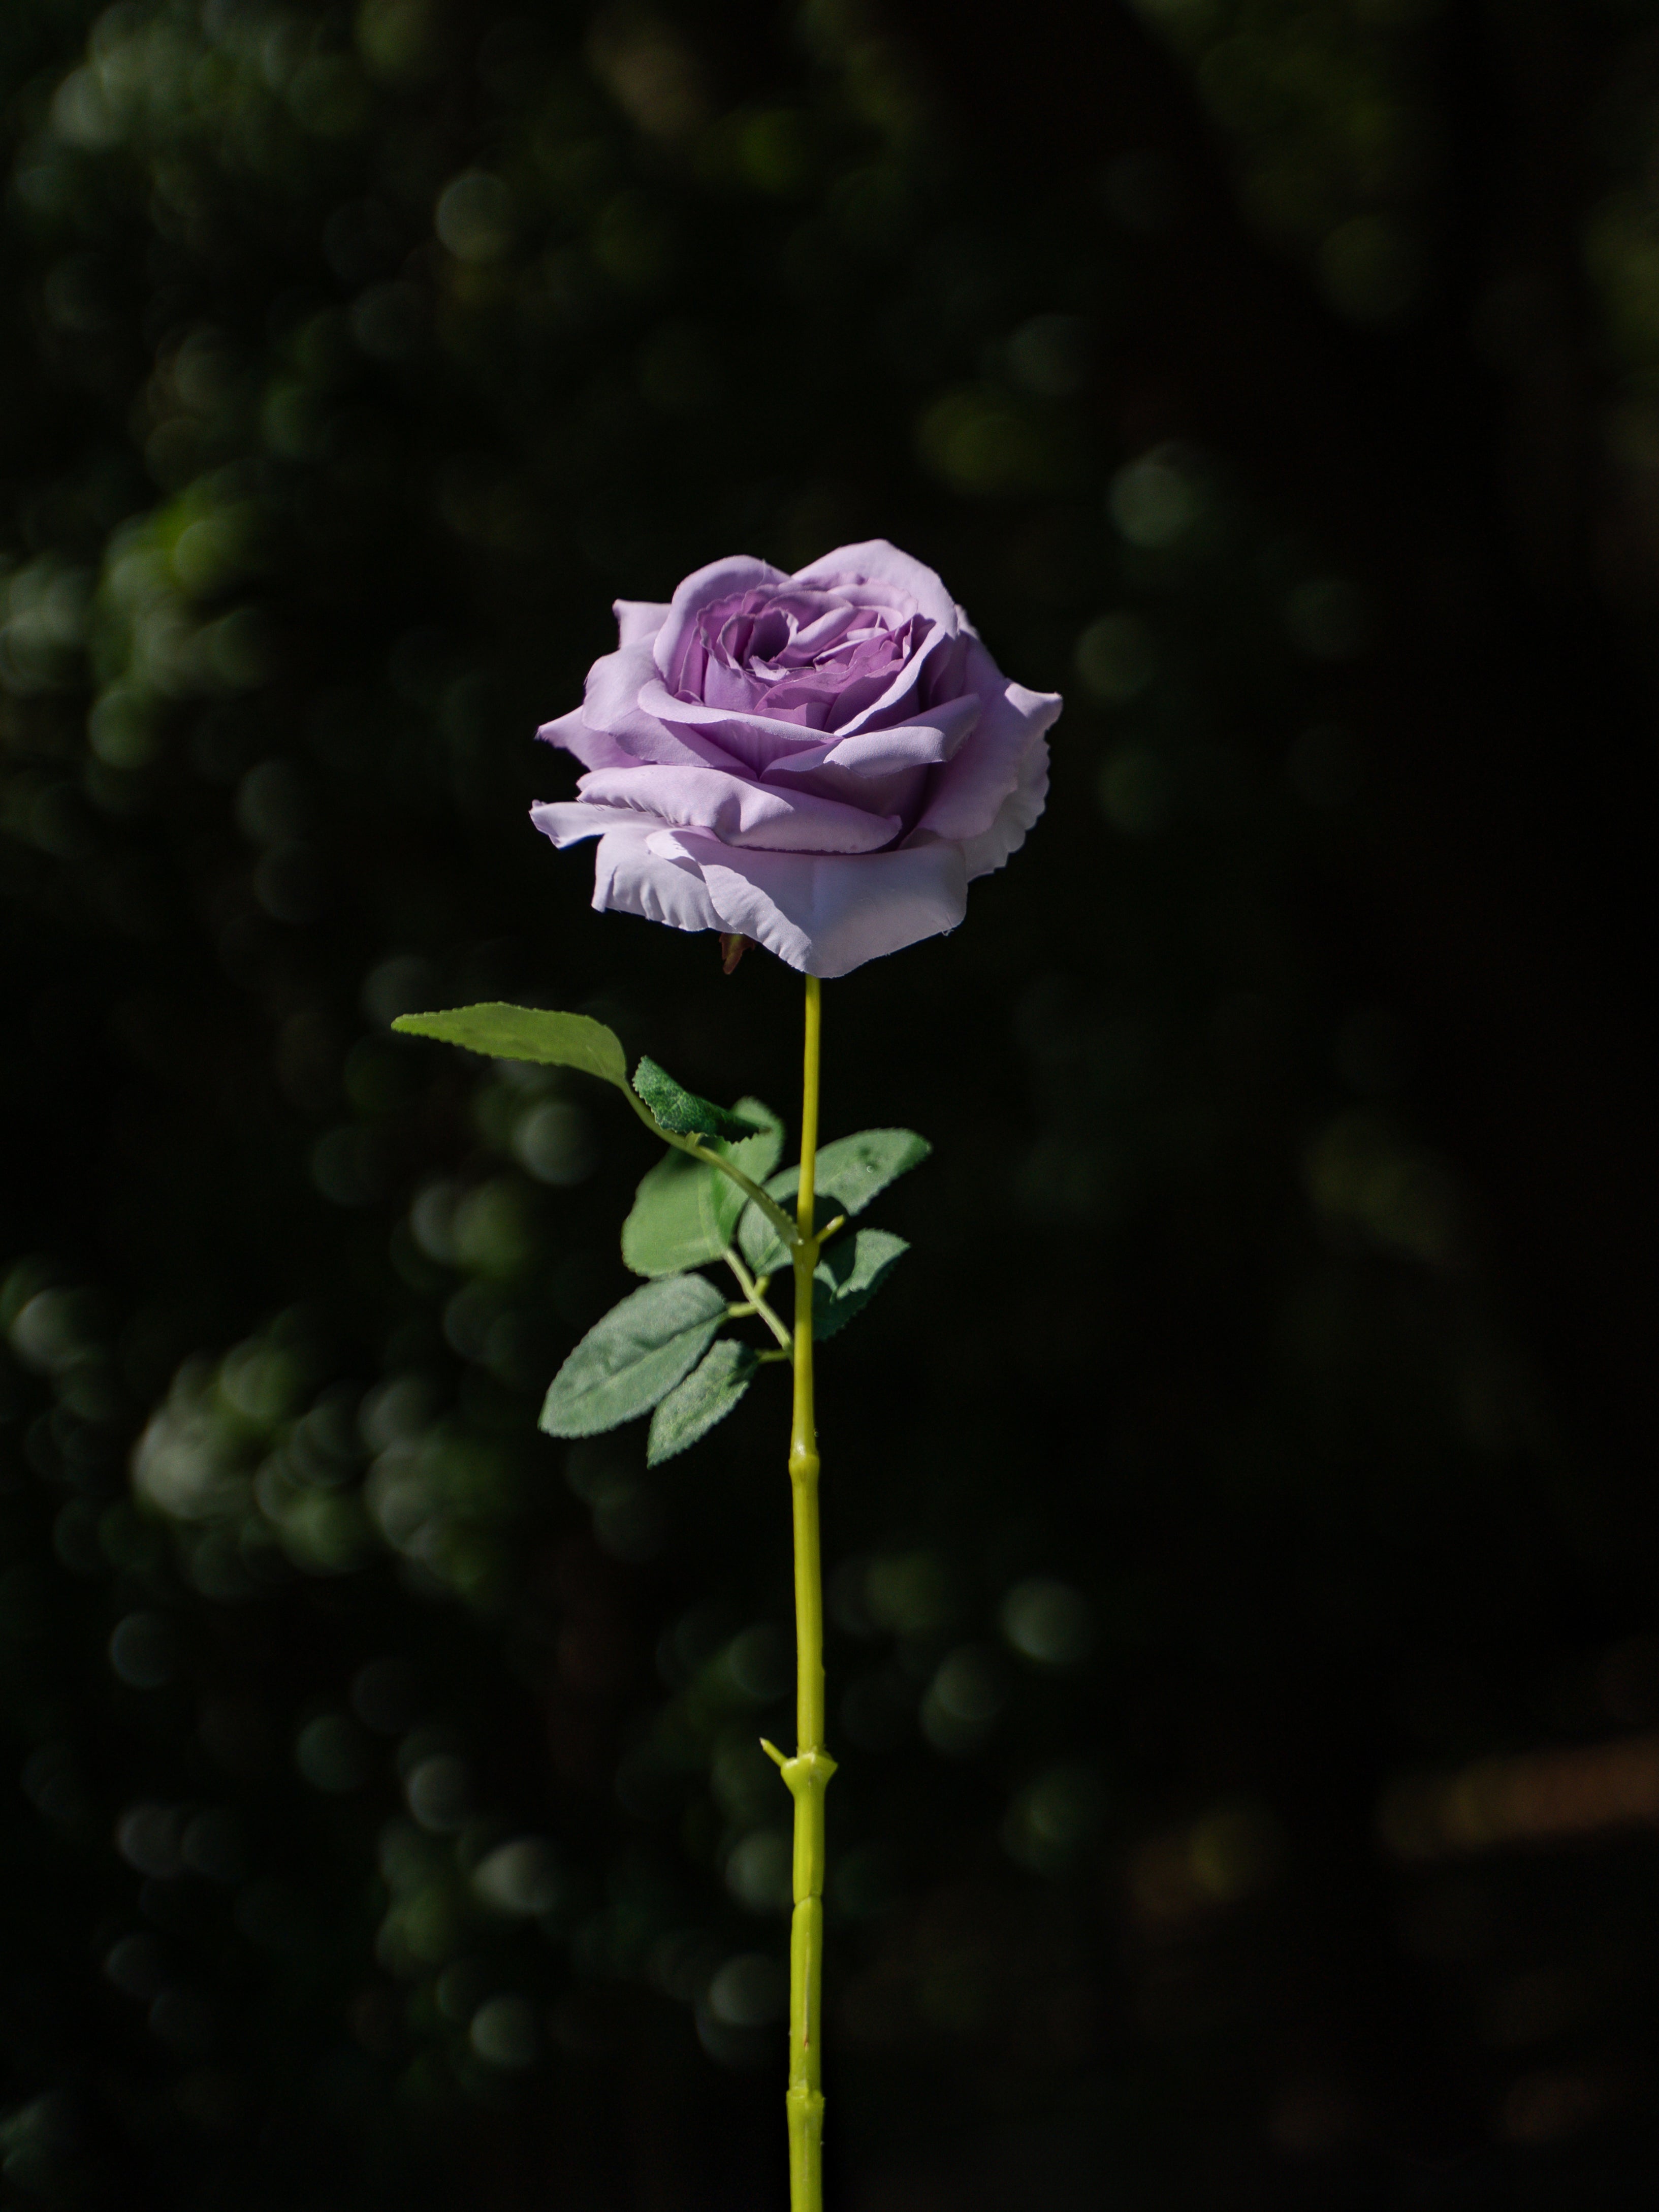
{"x": 1245, "y": 1643}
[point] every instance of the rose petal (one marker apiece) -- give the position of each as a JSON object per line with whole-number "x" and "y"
{"x": 720, "y": 580}
{"x": 751, "y": 739}
{"x": 592, "y": 748}
{"x": 826, "y": 916}
{"x": 638, "y": 621}
{"x": 567, "y": 821}
{"x": 902, "y": 696}
{"x": 611, "y": 704}
{"x": 1015, "y": 817}
{"x": 630, "y": 876}
{"x": 927, "y": 741}
{"x": 901, "y": 795}
{"x": 734, "y": 691}
{"x": 739, "y": 813}
{"x": 831, "y": 618}
{"x": 969, "y": 791}
{"x": 883, "y": 563}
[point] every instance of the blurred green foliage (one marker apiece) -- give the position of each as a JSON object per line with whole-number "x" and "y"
{"x": 1335, "y": 133}
{"x": 388, "y": 1817}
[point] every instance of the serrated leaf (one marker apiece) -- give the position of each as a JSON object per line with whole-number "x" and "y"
{"x": 633, "y": 1357}
{"x": 681, "y": 1111}
{"x": 850, "y": 1173}
{"x": 684, "y": 1212}
{"x": 848, "y": 1274}
{"x": 706, "y": 1395}
{"x": 675, "y": 1223}
{"x": 503, "y": 1032}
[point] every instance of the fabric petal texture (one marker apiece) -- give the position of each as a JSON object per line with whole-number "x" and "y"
{"x": 827, "y": 916}
{"x": 638, "y": 621}
{"x": 741, "y": 812}
{"x": 630, "y": 877}
{"x": 592, "y": 748}
{"x": 822, "y": 762}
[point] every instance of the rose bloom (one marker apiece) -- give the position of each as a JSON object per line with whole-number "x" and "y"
{"x": 822, "y": 762}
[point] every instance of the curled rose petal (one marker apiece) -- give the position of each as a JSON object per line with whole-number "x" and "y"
{"x": 1016, "y": 816}
{"x": 567, "y": 821}
{"x": 932, "y": 737}
{"x": 826, "y": 914}
{"x": 819, "y": 763}
{"x": 970, "y": 790}
{"x": 592, "y": 748}
{"x": 720, "y": 579}
{"x": 630, "y": 877}
{"x": 614, "y": 704}
{"x": 743, "y": 813}
{"x": 638, "y": 621}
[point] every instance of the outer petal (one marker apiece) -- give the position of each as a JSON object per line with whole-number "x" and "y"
{"x": 592, "y": 748}
{"x": 826, "y": 916}
{"x": 630, "y": 876}
{"x": 1017, "y": 814}
{"x": 968, "y": 792}
{"x": 611, "y": 704}
{"x": 638, "y": 621}
{"x": 738, "y": 813}
{"x": 720, "y": 580}
{"x": 567, "y": 821}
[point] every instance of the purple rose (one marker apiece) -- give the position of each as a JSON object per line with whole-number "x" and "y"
{"x": 822, "y": 762}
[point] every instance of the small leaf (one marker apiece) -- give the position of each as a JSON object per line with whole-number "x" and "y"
{"x": 675, "y": 1224}
{"x": 757, "y": 1155}
{"x": 526, "y": 1033}
{"x": 854, "y": 1170}
{"x": 634, "y": 1356}
{"x": 850, "y": 1173}
{"x": 681, "y": 1111}
{"x": 848, "y": 1275}
{"x": 684, "y": 1212}
{"x": 706, "y": 1395}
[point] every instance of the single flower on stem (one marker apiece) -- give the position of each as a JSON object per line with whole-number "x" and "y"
{"x": 820, "y": 765}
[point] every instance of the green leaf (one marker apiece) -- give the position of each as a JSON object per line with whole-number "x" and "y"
{"x": 685, "y": 1212}
{"x": 757, "y": 1155}
{"x": 634, "y": 1356}
{"x": 850, "y": 1173}
{"x": 681, "y": 1111}
{"x": 675, "y": 1223}
{"x": 706, "y": 1395}
{"x": 526, "y": 1033}
{"x": 848, "y": 1275}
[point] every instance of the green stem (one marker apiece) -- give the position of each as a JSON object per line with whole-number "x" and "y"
{"x": 768, "y": 1204}
{"x": 807, "y": 1774}
{"x": 754, "y": 1292}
